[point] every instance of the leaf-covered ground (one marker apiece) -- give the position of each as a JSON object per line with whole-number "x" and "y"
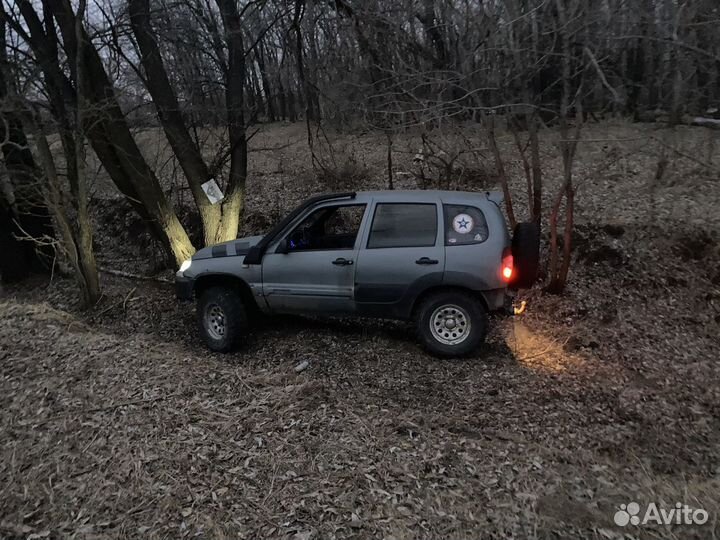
{"x": 116, "y": 422}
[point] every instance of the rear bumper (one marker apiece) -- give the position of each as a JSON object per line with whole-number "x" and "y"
{"x": 497, "y": 300}
{"x": 500, "y": 301}
{"x": 183, "y": 288}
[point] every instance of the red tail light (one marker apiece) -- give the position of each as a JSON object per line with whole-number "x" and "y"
{"x": 507, "y": 265}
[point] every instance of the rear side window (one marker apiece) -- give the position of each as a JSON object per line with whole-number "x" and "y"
{"x": 464, "y": 225}
{"x": 403, "y": 225}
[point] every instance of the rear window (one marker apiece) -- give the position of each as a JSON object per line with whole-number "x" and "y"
{"x": 464, "y": 225}
{"x": 403, "y": 225}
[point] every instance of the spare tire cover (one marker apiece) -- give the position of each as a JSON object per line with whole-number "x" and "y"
{"x": 526, "y": 255}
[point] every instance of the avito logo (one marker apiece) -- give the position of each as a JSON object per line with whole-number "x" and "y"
{"x": 680, "y": 514}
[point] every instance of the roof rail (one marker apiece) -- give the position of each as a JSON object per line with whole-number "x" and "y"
{"x": 328, "y": 197}
{"x": 255, "y": 254}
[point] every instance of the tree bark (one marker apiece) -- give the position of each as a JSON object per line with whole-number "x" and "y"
{"x": 536, "y": 171}
{"x": 310, "y": 99}
{"x": 500, "y": 168}
{"x": 267, "y": 88}
{"x": 389, "y": 137}
{"x": 221, "y": 220}
{"x": 107, "y": 128}
{"x": 557, "y": 270}
{"x": 88, "y": 273}
{"x": 168, "y": 108}
{"x": 234, "y": 101}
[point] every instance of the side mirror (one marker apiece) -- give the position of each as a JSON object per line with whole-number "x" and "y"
{"x": 283, "y": 247}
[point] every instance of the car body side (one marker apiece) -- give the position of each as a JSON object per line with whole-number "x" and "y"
{"x": 386, "y": 282}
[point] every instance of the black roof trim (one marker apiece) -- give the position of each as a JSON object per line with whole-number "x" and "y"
{"x": 256, "y": 252}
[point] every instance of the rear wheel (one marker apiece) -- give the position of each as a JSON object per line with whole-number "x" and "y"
{"x": 451, "y": 324}
{"x": 221, "y": 318}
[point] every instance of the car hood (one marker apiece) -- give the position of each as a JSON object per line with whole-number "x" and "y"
{"x": 239, "y": 246}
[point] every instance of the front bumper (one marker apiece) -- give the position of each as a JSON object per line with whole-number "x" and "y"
{"x": 183, "y": 288}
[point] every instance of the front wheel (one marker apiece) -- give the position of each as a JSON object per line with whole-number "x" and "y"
{"x": 451, "y": 324}
{"x": 222, "y": 318}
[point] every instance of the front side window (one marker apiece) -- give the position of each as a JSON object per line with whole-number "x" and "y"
{"x": 327, "y": 228}
{"x": 403, "y": 225}
{"x": 464, "y": 225}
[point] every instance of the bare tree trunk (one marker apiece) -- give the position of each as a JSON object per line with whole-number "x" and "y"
{"x": 527, "y": 170}
{"x": 500, "y": 167}
{"x": 554, "y": 250}
{"x": 558, "y": 271}
{"x": 668, "y": 140}
{"x": 567, "y": 235}
{"x": 309, "y": 113}
{"x": 291, "y": 102}
{"x": 234, "y": 97}
{"x": 649, "y": 51}
{"x": 218, "y": 224}
{"x": 267, "y": 88}
{"x": 313, "y": 52}
{"x": 537, "y": 171}
{"x": 675, "y": 65}
{"x": 88, "y": 275}
{"x": 282, "y": 98}
{"x": 309, "y": 93}
{"x": 68, "y": 240}
{"x": 389, "y": 160}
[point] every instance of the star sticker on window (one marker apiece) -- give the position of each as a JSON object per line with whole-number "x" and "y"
{"x": 463, "y": 224}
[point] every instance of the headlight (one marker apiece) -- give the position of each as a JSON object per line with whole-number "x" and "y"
{"x": 185, "y": 265}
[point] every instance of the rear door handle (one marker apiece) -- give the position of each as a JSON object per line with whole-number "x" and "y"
{"x": 342, "y": 262}
{"x": 426, "y": 260}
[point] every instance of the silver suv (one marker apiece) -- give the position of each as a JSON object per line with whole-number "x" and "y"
{"x": 443, "y": 259}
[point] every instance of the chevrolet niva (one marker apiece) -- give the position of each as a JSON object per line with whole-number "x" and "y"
{"x": 443, "y": 259}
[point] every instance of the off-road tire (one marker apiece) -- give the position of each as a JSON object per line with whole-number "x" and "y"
{"x": 234, "y": 315}
{"x": 473, "y": 312}
{"x": 526, "y": 255}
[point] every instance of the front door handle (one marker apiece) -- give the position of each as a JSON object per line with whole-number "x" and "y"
{"x": 342, "y": 262}
{"x": 426, "y": 260}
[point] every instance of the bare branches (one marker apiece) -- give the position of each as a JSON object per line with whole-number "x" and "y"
{"x": 601, "y": 75}
{"x": 205, "y": 71}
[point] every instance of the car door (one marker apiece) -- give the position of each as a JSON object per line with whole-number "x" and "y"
{"x": 316, "y": 272}
{"x": 402, "y": 253}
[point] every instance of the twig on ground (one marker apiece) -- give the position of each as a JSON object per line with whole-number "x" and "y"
{"x": 128, "y": 297}
{"x": 128, "y": 275}
{"x": 124, "y": 303}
